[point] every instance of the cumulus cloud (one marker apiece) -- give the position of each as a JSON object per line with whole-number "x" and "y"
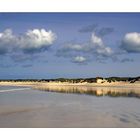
{"x": 79, "y": 59}
{"x": 99, "y": 46}
{"x": 131, "y": 42}
{"x": 36, "y": 40}
{"x": 7, "y": 41}
{"x": 76, "y": 47}
{"x": 95, "y": 47}
{"x": 32, "y": 41}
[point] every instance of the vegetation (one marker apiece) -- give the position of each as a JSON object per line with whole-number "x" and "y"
{"x": 76, "y": 80}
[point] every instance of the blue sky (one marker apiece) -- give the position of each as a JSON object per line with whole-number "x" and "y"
{"x": 52, "y": 45}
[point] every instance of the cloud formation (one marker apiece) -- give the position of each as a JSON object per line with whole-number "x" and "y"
{"x": 7, "y": 41}
{"x": 131, "y": 42}
{"x": 95, "y": 47}
{"x": 79, "y": 59}
{"x": 36, "y": 40}
{"x": 26, "y": 46}
{"x": 32, "y": 41}
{"x": 99, "y": 46}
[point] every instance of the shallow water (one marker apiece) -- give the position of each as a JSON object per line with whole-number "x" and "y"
{"x": 34, "y": 108}
{"x": 92, "y": 90}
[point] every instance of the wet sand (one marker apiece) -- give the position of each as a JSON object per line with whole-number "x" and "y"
{"x": 34, "y": 108}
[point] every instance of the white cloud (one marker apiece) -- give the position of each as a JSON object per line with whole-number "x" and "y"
{"x": 36, "y": 39}
{"x": 97, "y": 41}
{"x": 131, "y": 42}
{"x": 79, "y": 59}
{"x": 74, "y": 47}
{"x": 99, "y": 46}
{"x": 32, "y": 41}
{"x": 94, "y": 48}
{"x": 95, "y": 45}
{"x": 7, "y": 41}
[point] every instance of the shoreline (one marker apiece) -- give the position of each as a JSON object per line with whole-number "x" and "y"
{"x": 34, "y": 84}
{"x": 114, "y": 89}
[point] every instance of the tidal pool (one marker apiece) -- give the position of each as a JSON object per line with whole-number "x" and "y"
{"x": 36, "y": 108}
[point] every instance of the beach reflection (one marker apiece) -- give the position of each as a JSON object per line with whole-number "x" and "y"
{"x": 38, "y": 109}
{"x": 96, "y": 91}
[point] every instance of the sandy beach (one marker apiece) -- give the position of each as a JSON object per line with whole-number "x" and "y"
{"x": 106, "y": 84}
{"x": 37, "y": 108}
{"x": 43, "y": 104}
{"x": 97, "y": 89}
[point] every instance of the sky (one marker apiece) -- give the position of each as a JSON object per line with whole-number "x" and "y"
{"x": 69, "y": 45}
